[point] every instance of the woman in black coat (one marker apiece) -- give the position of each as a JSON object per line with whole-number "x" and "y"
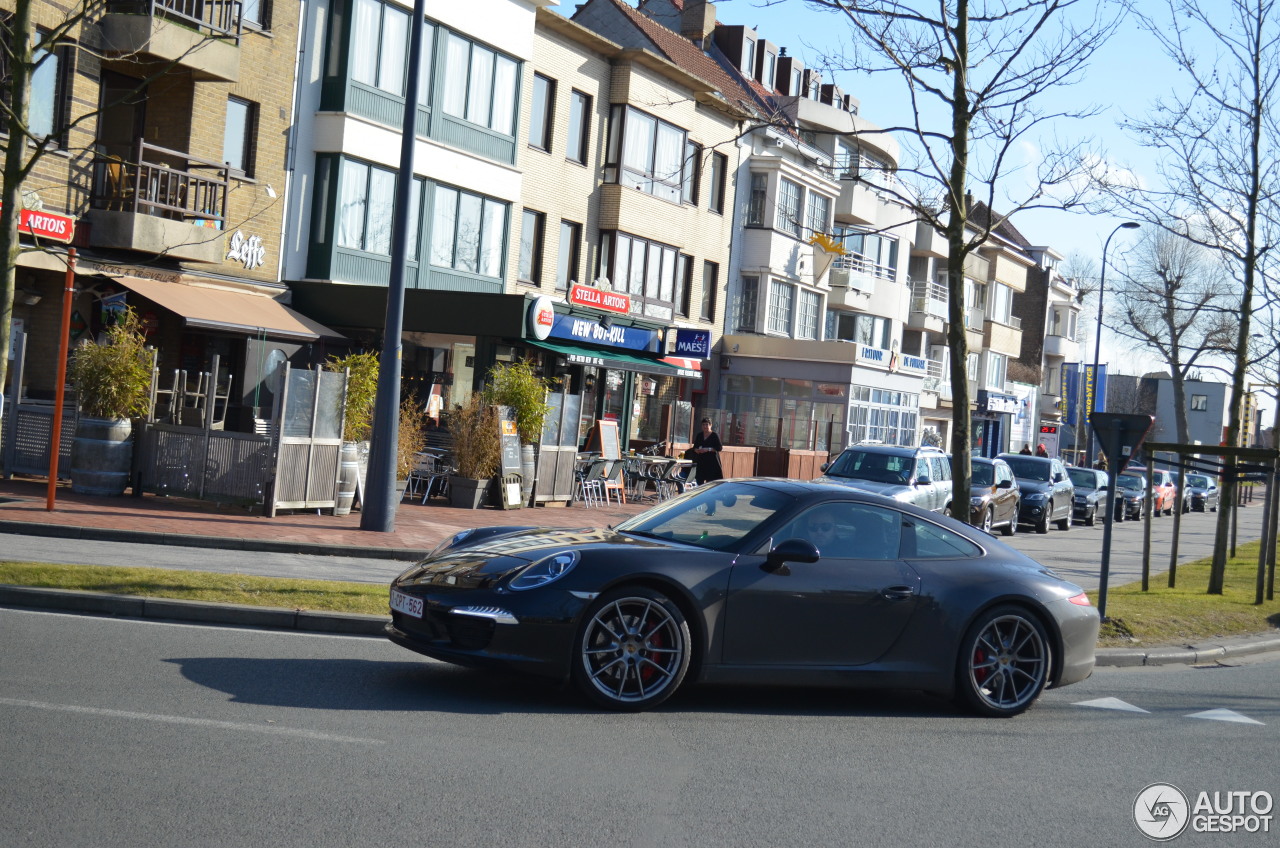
{"x": 705, "y": 454}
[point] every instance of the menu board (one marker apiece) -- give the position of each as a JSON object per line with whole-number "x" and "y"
{"x": 509, "y": 436}
{"x": 604, "y": 439}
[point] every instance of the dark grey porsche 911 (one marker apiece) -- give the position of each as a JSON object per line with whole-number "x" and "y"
{"x": 759, "y": 582}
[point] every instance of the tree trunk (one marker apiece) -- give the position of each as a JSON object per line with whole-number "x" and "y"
{"x": 15, "y": 157}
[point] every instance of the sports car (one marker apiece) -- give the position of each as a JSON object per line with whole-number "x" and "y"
{"x": 753, "y": 581}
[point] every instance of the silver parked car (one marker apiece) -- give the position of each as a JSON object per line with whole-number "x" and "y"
{"x": 919, "y": 476}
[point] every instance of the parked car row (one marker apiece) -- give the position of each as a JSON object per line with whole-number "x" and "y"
{"x": 1015, "y": 488}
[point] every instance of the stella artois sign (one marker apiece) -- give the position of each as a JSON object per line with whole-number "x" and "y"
{"x": 46, "y": 225}
{"x": 599, "y": 298}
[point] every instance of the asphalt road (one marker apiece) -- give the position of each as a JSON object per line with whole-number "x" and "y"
{"x": 120, "y": 732}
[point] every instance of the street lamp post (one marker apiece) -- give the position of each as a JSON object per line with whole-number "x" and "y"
{"x": 1097, "y": 342}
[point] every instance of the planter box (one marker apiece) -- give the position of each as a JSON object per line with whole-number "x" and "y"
{"x": 467, "y": 493}
{"x": 738, "y": 461}
{"x": 790, "y": 463}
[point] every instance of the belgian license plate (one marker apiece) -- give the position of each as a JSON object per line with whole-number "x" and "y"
{"x": 400, "y": 602}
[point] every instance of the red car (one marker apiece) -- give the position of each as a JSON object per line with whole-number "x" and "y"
{"x": 1163, "y": 489}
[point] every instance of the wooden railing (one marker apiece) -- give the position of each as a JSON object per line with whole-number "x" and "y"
{"x": 163, "y": 182}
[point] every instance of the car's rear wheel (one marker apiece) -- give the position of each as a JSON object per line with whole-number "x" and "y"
{"x": 988, "y": 518}
{"x": 1003, "y": 664}
{"x": 633, "y": 650}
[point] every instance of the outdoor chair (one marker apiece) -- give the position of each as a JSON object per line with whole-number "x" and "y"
{"x": 589, "y": 485}
{"x": 613, "y": 482}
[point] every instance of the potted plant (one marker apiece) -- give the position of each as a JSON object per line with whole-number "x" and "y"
{"x": 357, "y": 421}
{"x": 517, "y": 386}
{"x": 411, "y": 439}
{"x": 477, "y": 451}
{"x": 113, "y": 385}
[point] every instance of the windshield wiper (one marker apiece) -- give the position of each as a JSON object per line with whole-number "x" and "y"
{"x": 645, "y": 533}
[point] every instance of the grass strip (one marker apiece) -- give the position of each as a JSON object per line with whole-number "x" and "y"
{"x": 210, "y": 587}
{"x": 1164, "y": 616}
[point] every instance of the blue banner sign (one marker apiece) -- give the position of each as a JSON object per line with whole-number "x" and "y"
{"x": 576, "y": 329}
{"x": 1082, "y": 393}
{"x": 694, "y": 344}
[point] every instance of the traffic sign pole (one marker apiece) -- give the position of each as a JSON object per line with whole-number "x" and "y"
{"x": 1119, "y": 436}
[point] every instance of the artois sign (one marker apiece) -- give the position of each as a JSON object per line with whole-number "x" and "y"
{"x": 47, "y": 225}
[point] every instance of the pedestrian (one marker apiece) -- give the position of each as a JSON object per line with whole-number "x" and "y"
{"x": 705, "y": 454}
{"x": 1026, "y": 449}
{"x": 1041, "y": 451}
{"x": 1101, "y": 464}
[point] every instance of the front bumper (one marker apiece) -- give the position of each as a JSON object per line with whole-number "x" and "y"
{"x": 1078, "y": 627}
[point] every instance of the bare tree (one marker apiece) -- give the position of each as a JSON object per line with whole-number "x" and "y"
{"x": 1219, "y": 168}
{"x": 983, "y": 77}
{"x": 1177, "y": 303}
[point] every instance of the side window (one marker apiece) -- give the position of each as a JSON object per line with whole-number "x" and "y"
{"x": 849, "y": 530}
{"x": 921, "y": 540}
{"x": 941, "y": 469}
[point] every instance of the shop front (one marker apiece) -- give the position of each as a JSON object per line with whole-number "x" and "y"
{"x": 991, "y": 422}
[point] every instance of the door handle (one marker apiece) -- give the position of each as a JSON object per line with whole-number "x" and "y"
{"x": 897, "y": 593}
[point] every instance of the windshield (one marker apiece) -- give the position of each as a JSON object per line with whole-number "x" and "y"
{"x": 876, "y": 467}
{"x": 1198, "y": 480}
{"x": 983, "y": 474}
{"x": 1083, "y": 478}
{"x": 1028, "y": 468}
{"x": 1124, "y": 481}
{"x": 716, "y": 516}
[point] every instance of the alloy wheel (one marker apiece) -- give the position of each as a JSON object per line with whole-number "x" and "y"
{"x": 634, "y": 650}
{"x": 1005, "y": 663}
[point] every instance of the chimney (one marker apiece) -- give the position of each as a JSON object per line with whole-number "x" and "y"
{"x": 697, "y": 20}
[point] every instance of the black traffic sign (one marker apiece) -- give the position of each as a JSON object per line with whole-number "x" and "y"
{"x": 1120, "y": 434}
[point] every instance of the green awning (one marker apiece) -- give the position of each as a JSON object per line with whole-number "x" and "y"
{"x": 617, "y": 360}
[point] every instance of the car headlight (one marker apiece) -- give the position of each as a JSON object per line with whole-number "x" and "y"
{"x": 544, "y": 571}
{"x": 1036, "y": 498}
{"x": 975, "y": 501}
{"x": 455, "y": 539}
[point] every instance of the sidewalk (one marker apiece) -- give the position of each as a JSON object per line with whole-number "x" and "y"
{"x": 158, "y": 519}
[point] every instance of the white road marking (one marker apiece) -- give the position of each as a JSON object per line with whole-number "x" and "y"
{"x": 1111, "y": 704}
{"x": 198, "y": 722}
{"x": 1226, "y": 715}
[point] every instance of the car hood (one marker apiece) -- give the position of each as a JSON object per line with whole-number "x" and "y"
{"x": 486, "y": 562}
{"x": 889, "y": 490}
{"x": 1034, "y": 487}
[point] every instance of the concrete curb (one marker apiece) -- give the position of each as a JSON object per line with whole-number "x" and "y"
{"x": 1188, "y": 654}
{"x": 168, "y": 609}
{"x": 312, "y": 621}
{"x": 230, "y": 543}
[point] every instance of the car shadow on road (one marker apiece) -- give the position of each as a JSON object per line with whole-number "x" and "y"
{"x": 425, "y": 687}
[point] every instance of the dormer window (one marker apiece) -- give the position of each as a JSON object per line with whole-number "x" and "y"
{"x": 748, "y": 57}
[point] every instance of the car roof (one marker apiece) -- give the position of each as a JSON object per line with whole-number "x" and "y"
{"x": 896, "y": 449}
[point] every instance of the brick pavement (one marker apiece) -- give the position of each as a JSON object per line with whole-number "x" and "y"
{"x": 417, "y": 526}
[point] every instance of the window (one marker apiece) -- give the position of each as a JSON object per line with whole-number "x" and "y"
{"x": 567, "y": 264}
{"x": 710, "y": 281}
{"x": 380, "y": 45}
{"x": 1000, "y": 301}
{"x": 253, "y": 13}
{"x": 887, "y": 416}
{"x": 238, "y": 135}
{"x": 645, "y": 270}
{"x": 788, "y": 219}
{"x": 996, "y": 364}
{"x": 467, "y": 232}
{"x": 1055, "y": 322}
{"x": 541, "y": 112}
{"x": 819, "y": 212}
{"x": 749, "y": 57}
{"x": 770, "y": 68}
{"x": 755, "y": 205}
{"x": 692, "y": 171}
{"x": 794, "y": 88}
{"x": 807, "y": 318}
{"x": 45, "y": 109}
{"x": 366, "y": 198}
{"x": 781, "y": 307}
{"x": 879, "y": 251}
{"x": 579, "y": 127}
{"x": 645, "y": 153}
{"x": 479, "y": 85}
{"x": 929, "y": 541}
{"x": 719, "y": 167}
{"x": 1199, "y": 403}
{"x": 684, "y": 284}
{"x": 532, "y": 232}
{"x": 745, "y": 308}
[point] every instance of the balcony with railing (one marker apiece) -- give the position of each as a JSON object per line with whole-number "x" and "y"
{"x": 202, "y": 36}
{"x": 1004, "y": 336}
{"x": 159, "y": 201}
{"x": 853, "y": 275}
{"x": 928, "y": 306}
{"x": 1061, "y": 346}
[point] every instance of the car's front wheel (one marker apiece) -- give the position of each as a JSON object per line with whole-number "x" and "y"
{"x": 988, "y": 518}
{"x": 1091, "y": 518}
{"x": 633, "y": 650}
{"x": 1042, "y": 525}
{"x": 1012, "y": 526}
{"x": 1003, "y": 664}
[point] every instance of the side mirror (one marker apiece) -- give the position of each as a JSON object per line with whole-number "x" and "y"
{"x": 1004, "y": 484}
{"x": 923, "y": 480}
{"x": 825, "y": 466}
{"x": 1057, "y": 478}
{"x": 792, "y": 550}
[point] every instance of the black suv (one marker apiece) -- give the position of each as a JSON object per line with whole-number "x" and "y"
{"x": 919, "y": 476}
{"x": 1047, "y": 493}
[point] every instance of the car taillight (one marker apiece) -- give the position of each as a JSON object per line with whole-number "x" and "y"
{"x": 1080, "y": 600}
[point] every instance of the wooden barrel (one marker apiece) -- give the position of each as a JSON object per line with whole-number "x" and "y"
{"x": 101, "y": 456}
{"x": 348, "y": 470}
{"x": 528, "y": 467}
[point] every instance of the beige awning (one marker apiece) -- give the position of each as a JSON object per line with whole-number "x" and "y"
{"x": 232, "y": 311}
